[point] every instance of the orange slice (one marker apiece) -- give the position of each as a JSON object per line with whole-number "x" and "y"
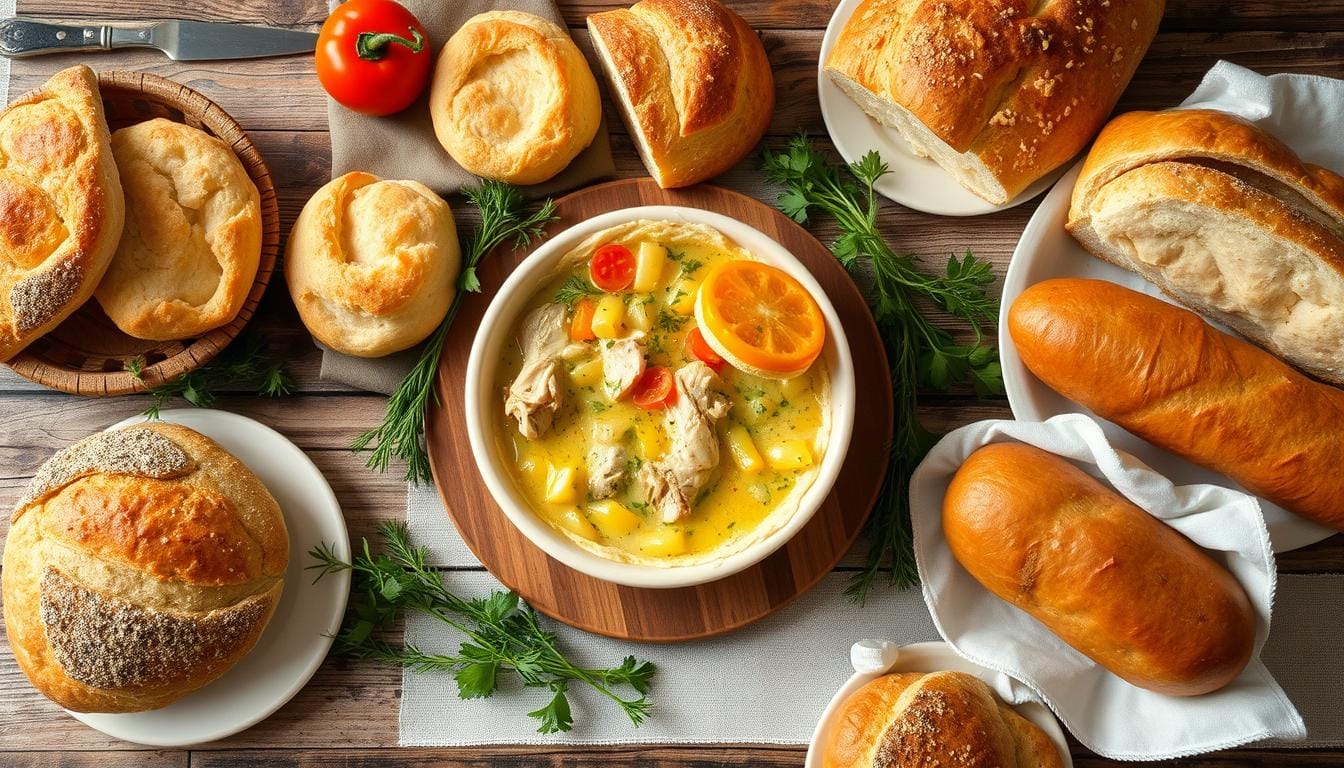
{"x": 760, "y": 319}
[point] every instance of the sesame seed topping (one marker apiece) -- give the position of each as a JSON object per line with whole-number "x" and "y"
{"x": 135, "y": 451}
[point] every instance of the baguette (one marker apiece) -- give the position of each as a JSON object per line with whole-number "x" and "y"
{"x": 1227, "y": 220}
{"x": 1162, "y": 373}
{"x": 1118, "y": 585}
{"x": 997, "y": 92}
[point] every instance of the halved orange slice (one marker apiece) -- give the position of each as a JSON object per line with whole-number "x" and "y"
{"x": 760, "y": 319}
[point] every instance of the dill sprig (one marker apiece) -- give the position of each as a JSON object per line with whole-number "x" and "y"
{"x": 918, "y": 352}
{"x": 573, "y": 289}
{"x": 502, "y": 634}
{"x": 503, "y": 217}
{"x": 245, "y": 363}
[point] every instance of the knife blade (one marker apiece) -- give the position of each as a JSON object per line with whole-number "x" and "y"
{"x": 181, "y": 39}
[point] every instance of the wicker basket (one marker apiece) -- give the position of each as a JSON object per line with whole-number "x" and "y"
{"x": 87, "y": 354}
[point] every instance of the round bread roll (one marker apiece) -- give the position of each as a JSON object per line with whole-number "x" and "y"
{"x": 192, "y": 242}
{"x": 372, "y": 264}
{"x": 512, "y": 98}
{"x": 61, "y": 205}
{"x": 939, "y": 718}
{"x": 141, "y": 564}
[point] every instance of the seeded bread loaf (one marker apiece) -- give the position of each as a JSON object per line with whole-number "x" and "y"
{"x": 61, "y": 205}
{"x": 997, "y": 92}
{"x": 935, "y": 719}
{"x": 140, "y": 565}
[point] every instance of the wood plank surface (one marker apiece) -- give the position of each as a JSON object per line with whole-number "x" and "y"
{"x": 347, "y": 716}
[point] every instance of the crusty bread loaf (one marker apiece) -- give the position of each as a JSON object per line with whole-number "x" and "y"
{"x": 1226, "y": 219}
{"x": 692, "y": 81}
{"x": 997, "y": 92}
{"x": 512, "y": 98}
{"x": 372, "y": 264}
{"x": 1109, "y": 579}
{"x": 140, "y": 565}
{"x": 933, "y": 719}
{"x": 61, "y": 205}
{"x": 1164, "y": 374}
{"x": 192, "y": 242}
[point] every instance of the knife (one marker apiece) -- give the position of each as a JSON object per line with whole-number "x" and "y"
{"x": 181, "y": 40}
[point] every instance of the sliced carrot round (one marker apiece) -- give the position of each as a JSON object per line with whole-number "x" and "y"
{"x": 760, "y": 319}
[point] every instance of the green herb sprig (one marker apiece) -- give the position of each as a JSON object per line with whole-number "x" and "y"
{"x": 918, "y": 352}
{"x": 573, "y": 289}
{"x": 503, "y": 635}
{"x": 504, "y": 217}
{"x": 245, "y": 363}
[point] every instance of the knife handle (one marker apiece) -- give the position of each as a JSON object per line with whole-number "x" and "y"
{"x": 29, "y": 37}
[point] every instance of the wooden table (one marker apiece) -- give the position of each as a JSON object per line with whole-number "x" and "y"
{"x": 348, "y": 713}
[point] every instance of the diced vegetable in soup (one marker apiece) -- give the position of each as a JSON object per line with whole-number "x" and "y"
{"x": 626, "y": 429}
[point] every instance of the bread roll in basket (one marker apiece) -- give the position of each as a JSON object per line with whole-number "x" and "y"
{"x": 141, "y": 564}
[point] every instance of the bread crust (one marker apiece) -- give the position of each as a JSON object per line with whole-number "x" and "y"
{"x": 1117, "y": 584}
{"x": 692, "y": 81}
{"x": 512, "y": 98}
{"x": 61, "y": 206}
{"x": 1162, "y": 373}
{"x": 192, "y": 242}
{"x": 140, "y": 565}
{"x": 372, "y": 264}
{"x": 1236, "y": 175}
{"x": 928, "y": 719}
{"x": 1019, "y": 87}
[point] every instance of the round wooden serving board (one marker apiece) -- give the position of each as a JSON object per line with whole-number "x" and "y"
{"x": 666, "y": 615}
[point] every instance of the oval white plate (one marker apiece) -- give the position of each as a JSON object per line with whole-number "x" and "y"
{"x": 874, "y": 658}
{"x": 1046, "y": 251}
{"x": 296, "y": 641}
{"x": 915, "y": 182}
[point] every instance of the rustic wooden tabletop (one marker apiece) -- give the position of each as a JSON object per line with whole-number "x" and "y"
{"x": 347, "y": 715}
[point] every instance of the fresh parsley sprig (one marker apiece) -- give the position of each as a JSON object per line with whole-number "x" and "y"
{"x": 504, "y": 217}
{"x": 244, "y": 363}
{"x": 502, "y": 634}
{"x": 918, "y": 352}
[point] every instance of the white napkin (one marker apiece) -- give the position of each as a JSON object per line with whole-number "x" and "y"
{"x": 1108, "y": 715}
{"x": 1303, "y": 111}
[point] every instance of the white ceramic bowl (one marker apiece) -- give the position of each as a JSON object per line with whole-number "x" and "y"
{"x": 483, "y": 400}
{"x": 872, "y": 659}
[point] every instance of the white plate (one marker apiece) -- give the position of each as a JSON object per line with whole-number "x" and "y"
{"x": 874, "y": 658}
{"x": 295, "y": 642}
{"x": 1047, "y": 251}
{"x": 915, "y": 182}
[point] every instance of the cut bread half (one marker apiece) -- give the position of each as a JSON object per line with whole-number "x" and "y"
{"x": 1237, "y": 247}
{"x": 965, "y": 167}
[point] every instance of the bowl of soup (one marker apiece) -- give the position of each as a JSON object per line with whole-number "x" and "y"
{"x": 660, "y": 396}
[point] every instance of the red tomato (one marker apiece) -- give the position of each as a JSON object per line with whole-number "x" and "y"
{"x": 655, "y": 388}
{"x": 373, "y": 56}
{"x": 612, "y": 267}
{"x": 700, "y": 350}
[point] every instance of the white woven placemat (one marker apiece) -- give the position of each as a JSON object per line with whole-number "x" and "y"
{"x": 767, "y": 683}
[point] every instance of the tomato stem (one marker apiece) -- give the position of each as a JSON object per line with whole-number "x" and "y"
{"x": 372, "y": 46}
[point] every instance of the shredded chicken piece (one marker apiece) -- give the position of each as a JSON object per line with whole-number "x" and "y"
{"x": 622, "y": 365}
{"x": 534, "y": 396}
{"x": 671, "y": 483}
{"x": 607, "y": 462}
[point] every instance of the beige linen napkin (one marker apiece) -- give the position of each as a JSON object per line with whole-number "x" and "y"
{"x": 403, "y": 146}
